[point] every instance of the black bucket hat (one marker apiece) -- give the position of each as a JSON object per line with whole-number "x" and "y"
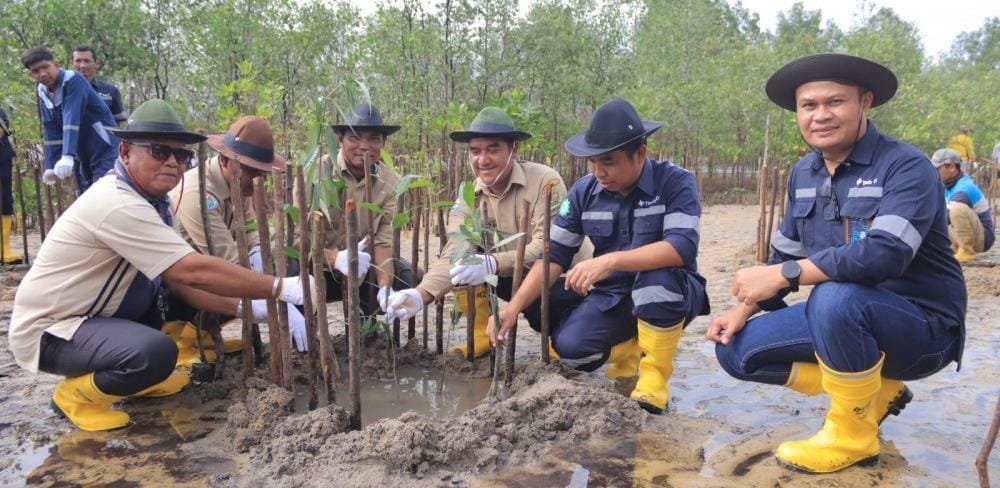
{"x": 613, "y": 125}
{"x": 836, "y": 67}
{"x": 155, "y": 119}
{"x": 365, "y": 116}
{"x": 490, "y": 122}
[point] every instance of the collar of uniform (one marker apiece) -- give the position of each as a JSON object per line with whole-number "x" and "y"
{"x": 645, "y": 182}
{"x": 216, "y": 183}
{"x": 861, "y": 153}
{"x": 342, "y": 163}
{"x": 517, "y": 177}
{"x": 57, "y": 95}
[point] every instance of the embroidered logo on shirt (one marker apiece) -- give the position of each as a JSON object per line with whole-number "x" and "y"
{"x": 565, "y": 208}
{"x": 644, "y": 203}
{"x": 862, "y": 182}
{"x": 211, "y": 203}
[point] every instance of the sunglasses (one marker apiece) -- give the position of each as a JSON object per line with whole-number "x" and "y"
{"x": 162, "y": 152}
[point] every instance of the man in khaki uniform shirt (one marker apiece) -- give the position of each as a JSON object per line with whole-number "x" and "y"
{"x": 360, "y": 139}
{"x": 505, "y": 183}
{"x": 249, "y": 141}
{"x": 91, "y": 305}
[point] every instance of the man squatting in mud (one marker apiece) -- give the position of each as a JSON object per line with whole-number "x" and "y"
{"x": 91, "y": 306}
{"x": 505, "y": 183}
{"x": 866, "y": 223}
{"x": 628, "y": 305}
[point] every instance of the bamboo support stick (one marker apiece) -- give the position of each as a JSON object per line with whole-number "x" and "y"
{"x": 427, "y": 262}
{"x": 236, "y": 192}
{"x": 281, "y": 339}
{"x": 264, "y": 231}
{"x": 354, "y": 317}
{"x": 210, "y": 249}
{"x": 307, "y": 305}
{"x": 417, "y": 212}
{"x": 770, "y": 215}
{"x": 762, "y": 217}
{"x": 59, "y": 187}
{"x": 522, "y": 244}
{"x": 439, "y": 303}
{"x": 470, "y": 323}
{"x": 371, "y": 277}
{"x": 24, "y": 214}
{"x": 486, "y": 240}
{"x": 42, "y": 222}
{"x": 50, "y": 217}
{"x": 397, "y": 245}
{"x": 546, "y": 249}
{"x": 983, "y": 458}
{"x": 328, "y": 358}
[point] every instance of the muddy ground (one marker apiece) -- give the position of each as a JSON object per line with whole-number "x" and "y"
{"x": 555, "y": 428}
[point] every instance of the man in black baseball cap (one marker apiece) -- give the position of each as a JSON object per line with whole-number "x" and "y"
{"x": 866, "y": 223}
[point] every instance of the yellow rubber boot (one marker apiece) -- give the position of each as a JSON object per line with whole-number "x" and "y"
{"x": 623, "y": 361}
{"x": 482, "y": 341}
{"x": 185, "y": 336}
{"x": 79, "y": 400}
{"x": 805, "y": 378}
{"x": 552, "y": 351}
{"x": 658, "y": 346}
{"x": 892, "y": 399}
{"x": 849, "y": 435}
{"x": 9, "y": 255}
{"x": 170, "y": 386}
{"x": 229, "y": 346}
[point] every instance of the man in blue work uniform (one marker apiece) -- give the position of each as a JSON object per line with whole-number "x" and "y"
{"x": 642, "y": 286}
{"x": 867, "y": 225}
{"x": 73, "y": 122}
{"x": 85, "y": 62}
{"x": 970, "y": 221}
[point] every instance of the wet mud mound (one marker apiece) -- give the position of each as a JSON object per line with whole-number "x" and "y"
{"x": 544, "y": 408}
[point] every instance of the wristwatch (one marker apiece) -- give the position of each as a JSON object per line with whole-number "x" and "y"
{"x": 791, "y": 271}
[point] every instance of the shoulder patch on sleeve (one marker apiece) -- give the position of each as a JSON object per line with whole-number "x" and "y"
{"x": 565, "y": 208}
{"x": 211, "y": 203}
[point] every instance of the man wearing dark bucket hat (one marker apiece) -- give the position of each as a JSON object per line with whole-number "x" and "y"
{"x": 504, "y": 182}
{"x": 360, "y": 139}
{"x": 866, "y": 223}
{"x": 642, "y": 286}
{"x": 91, "y": 306}
{"x": 250, "y": 142}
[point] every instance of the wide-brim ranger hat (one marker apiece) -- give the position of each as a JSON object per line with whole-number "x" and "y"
{"x": 490, "y": 122}
{"x": 365, "y": 116}
{"x": 613, "y": 125}
{"x": 841, "y": 68}
{"x": 250, "y": 141}
{"x": 155, "y": 119}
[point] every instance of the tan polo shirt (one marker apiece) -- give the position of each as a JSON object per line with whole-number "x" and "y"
{"x": 86, "y": 264}
{"x": 527, "y": 183}
{"x": 222, "y": 220}
{"x": 384, "y": 181}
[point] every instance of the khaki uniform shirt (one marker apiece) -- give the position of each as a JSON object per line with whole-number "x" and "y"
{"x": 527, "y": 184}
{"x": 87, "y": 263}
{"x": 384, "y": 181}
{"x": 222, "y": 221}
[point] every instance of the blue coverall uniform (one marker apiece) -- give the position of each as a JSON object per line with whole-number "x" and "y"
{"x": 111, "y": 96}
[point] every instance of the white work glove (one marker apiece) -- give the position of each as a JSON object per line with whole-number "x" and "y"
{"x": 64, "y": 167}
{"x": 404, "y": 304}
{"x": 296, "y": 323}
{"x": 49, "y": 177}
{"x": 473, "y": 274}
{"x": 364, "y": 260}
{"x": 383, "y": 296}
{"x": 256, "y": 262}
{"x": 291, "y": 290}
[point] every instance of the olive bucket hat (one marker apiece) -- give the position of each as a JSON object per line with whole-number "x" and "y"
{"x": 490, "y": 122}
{"x": 156, "y": 119}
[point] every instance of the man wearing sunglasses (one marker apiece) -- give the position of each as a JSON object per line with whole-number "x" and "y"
{"x": 74, "y": 121}
{"x": 248, "y": 142}
{"x": 91, "y": 306}
{"x": 867, "y": 224}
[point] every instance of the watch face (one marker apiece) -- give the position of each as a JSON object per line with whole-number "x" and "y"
{"x": 790, "y": 270}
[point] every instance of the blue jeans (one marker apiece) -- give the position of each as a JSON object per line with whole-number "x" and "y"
{"x": 846, "y": 325}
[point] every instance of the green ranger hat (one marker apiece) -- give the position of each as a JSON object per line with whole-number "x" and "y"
{"x": 156, "y": 119}
{"x": 490, "y": 122}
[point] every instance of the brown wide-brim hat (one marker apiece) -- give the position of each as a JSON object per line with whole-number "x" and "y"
{"x": 251, "y": 142}
{"x": 835, "y": 67}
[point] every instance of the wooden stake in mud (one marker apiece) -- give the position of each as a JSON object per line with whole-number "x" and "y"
{"x": 427, "y": 262}
{"x": 241, "y": 244}
{"x": 354, "y": 316}
{"x": 762, "y": 218}
{"x": 486, "y": 242}
{"x": 264, "y": 231}
{"x": 782, "y": 195}
{"x": 439, "y": 304}
{"x": 546, "y": 249}
{"x": 983, "y": 458}
{"x": 417, "y": 212}
{"x": 307, "y": 305}
{"x": 370, "y": 220}
{"x": 397, "y": 244}
{"x": 328, "y": 358}
{"x": 42, "y": 229}
{"x": 770, "y": 215}
{"x": 209, "y": 247}
{"x": 2, "y": 256}
{"x": 281, "y": 339}
{"x": 19, "y": 182}
{"x": 50, "y": 216}
{"x": 522, "y": 243}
